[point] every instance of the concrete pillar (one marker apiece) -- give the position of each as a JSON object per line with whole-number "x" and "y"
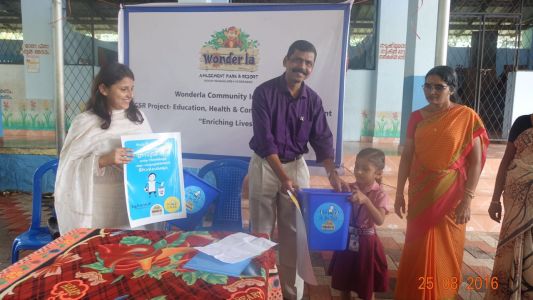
{"x": 37, "y": 110}
{"x": 37, "y": 48}
{"x": 420, "y": 54}
{"x": 390, "y": 65}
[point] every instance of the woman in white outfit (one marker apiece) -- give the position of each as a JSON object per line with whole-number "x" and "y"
{"x": 89, "y": 189}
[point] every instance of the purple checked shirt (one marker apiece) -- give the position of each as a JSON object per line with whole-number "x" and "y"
{"x": 284, "y": 125}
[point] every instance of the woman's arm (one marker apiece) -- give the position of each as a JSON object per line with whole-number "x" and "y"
{"x": 495, "y": 208}
{"x": 403, "y": 174}
{"x": 462, "y": 212}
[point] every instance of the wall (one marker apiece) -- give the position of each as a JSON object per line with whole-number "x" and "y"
{"x": 392, "y": 29}
{"x": 358, "y": 98}
{"x": 420, "y": 55}
{"x": 12, "y": 95}
{"x": 16, "y": 172}
{"x": 37, "y": 49}
{"x": 519, "y": 100}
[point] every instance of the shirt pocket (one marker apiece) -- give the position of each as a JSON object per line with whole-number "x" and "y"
{"x": 304, "y": 131}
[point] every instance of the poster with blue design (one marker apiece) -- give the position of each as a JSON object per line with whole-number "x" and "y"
{"x": 153, "y": 179}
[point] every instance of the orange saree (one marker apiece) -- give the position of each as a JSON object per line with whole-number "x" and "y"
{"x": 430, "y": 266}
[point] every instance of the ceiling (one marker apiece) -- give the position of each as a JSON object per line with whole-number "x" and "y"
{"x": 80, "y": 13}
{"x": 102, "y": 14}
{"x": 503, "y": 16}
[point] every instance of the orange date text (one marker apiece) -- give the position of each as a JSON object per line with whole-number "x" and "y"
{"x": 473, "y": 283}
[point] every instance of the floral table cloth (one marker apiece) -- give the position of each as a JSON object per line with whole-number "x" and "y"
{"x": 132, "y": 264}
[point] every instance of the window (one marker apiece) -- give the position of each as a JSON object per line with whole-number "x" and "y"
{"x": 362, "y": 40}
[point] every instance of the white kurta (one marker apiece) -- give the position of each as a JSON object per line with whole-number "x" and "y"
{"x": 85, "y": 195}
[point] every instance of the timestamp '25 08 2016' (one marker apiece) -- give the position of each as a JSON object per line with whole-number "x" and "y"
{"x": 473, "y": 283}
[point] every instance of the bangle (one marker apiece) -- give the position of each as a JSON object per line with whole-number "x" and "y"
{"x": 469, "y": 193}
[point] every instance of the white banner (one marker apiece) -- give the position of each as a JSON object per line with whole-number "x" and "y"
{"x": 196, "y": 67}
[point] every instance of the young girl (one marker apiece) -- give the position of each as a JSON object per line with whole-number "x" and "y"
{"x": 362, "y": 267}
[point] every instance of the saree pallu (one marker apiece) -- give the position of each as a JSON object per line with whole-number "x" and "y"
{"x": 430, "y": 266}
{"x": 513, "y": 262}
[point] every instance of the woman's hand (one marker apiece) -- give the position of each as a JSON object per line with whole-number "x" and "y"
{"x": 118, "y": 156}
{"x": 462, "y": 212}
{"x": 495, "y": 211}
{"x": 399, "y": 205}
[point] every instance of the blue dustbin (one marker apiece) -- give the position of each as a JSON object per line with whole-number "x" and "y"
{"x": 198, "y": 197}
{"x": 327, "y": 217}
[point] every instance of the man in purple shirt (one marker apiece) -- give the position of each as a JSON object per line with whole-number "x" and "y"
{"x": 287, "y": 114}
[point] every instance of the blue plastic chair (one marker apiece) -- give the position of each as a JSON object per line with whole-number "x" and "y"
{"x": 36, "y": 236}
{"x": 228, "y": 176}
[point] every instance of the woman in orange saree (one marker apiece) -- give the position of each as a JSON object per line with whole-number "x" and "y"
{"x": 442, "y": 157}
{"x": 513, "y": 262}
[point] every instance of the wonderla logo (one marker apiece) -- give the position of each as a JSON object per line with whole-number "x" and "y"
{"x": 230, "y": 49}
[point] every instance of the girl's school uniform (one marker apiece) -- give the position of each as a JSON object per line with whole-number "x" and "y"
{"x": 363, "y": 271}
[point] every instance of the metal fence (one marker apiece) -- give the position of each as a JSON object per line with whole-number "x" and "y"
{"x": 485, "y": 44}
{"x": 10, "y": 47}
{"x": 79, "y": 69}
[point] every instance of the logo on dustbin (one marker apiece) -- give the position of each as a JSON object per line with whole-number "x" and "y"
{"x": 328, "y": 217}
{"x": 194, "y": 198}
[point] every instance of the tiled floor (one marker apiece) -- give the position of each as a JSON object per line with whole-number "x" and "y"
{"x": 482, "y": 233}
{"x": 15, "y": 218}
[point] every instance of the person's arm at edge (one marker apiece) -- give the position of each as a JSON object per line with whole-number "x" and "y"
{"x": 495, "y": 208}
{"x": 403, "y": 173}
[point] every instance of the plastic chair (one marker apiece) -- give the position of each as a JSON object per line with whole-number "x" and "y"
{"x": 229, "y": 175}
{"x": 36, "y": 236}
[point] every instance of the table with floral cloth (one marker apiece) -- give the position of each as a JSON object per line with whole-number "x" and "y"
{"x": 131, "y": 264}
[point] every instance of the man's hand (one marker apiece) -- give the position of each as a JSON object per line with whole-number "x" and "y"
{"x": 288, "y": 185}
{"x": 337, "y": 183}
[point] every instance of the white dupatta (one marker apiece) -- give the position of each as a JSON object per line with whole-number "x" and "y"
{"x": 75, "y": 191}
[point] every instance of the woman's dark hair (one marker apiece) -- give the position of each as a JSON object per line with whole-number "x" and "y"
{"x": 448, "y": 75}
{"x": 301, "y": 45}
{"x": 108, "y": 76}
{"x": 375, "y": 157}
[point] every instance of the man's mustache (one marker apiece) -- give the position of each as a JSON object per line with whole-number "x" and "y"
{"x": 294, "y": 70}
